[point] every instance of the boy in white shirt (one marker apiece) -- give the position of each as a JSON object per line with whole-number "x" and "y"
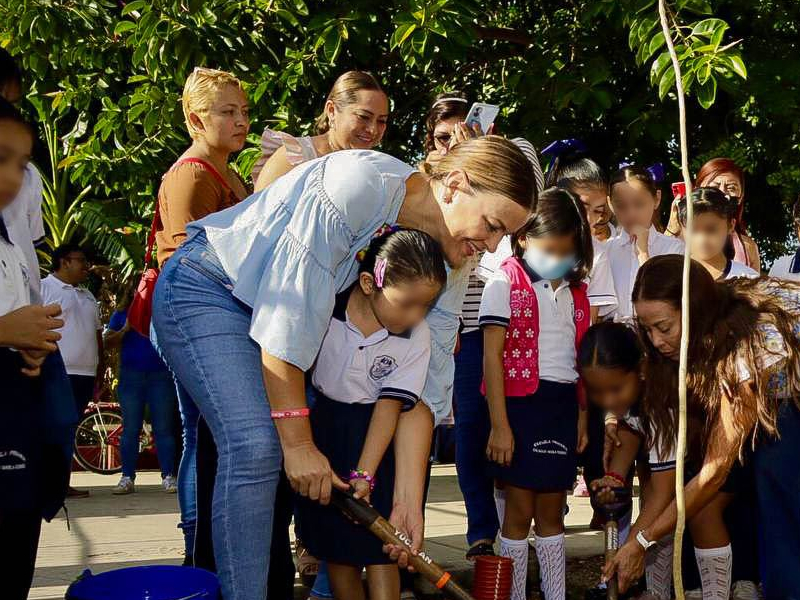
{"x": 25, "y": 340}
{"x": 634, "y": 199}
{"x": 788, "y": 267}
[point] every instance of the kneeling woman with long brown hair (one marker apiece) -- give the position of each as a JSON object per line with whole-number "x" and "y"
{"x": 743, "y": 390}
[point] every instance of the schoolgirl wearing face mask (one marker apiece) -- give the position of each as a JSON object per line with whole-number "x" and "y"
{"x": 534, "y": 313}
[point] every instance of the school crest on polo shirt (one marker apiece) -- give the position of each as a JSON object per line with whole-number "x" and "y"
{"x": 382, "y": 367}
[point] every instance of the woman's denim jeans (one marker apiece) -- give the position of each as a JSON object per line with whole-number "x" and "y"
{"x": 472, "y": 435}
{"x": 202, "y": 331}
{"x": 155, "y": 389}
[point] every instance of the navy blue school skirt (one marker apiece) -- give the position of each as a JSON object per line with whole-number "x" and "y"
{"x": 545, "y": 428}
{"x": 339, "y": 431}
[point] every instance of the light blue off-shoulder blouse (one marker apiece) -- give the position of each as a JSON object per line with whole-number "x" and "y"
{"x": 289, "y": 249}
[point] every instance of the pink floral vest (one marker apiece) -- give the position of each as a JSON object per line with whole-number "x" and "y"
{"x": 521, "y": 352}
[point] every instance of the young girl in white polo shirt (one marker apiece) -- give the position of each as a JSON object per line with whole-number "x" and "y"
{"x": 534, "y": 312}
{"x": 371, "y": 366}
{"x": 713, "y": 223}
{"x": 634, "y": 199}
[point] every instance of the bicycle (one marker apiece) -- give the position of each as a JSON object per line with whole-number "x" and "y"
{"x": 98, "y": 438}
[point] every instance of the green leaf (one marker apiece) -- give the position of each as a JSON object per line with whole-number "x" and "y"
{"x": 737, "y": 64}
{"x": 301, "y": 7}
{"x": 136, "y": 5}
{"x": 411, "y": 28}
{"x": 707, "y": 93}
{"x": 654, "y": 46}
{"x": 124, "y": 26}
{"x": 659, "y": 64}
{"x": 667, "y": 83}
{"x": 150, "y": 121}
{"x": 707, "y": 27}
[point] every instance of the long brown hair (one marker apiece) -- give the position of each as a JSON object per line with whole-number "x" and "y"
{"x": 725, "y": 320}
{"x": 714, "y": 168}
{"x": 345, "y": 92}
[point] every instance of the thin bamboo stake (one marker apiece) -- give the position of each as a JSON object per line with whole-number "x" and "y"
{"x": 684, "y": 355}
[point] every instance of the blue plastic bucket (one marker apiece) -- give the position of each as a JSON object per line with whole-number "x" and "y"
{"x": 158, "y": 582}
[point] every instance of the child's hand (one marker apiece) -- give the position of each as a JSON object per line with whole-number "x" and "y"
{"x": 603, "y": 488}
{"x": 361, "y": 489}
{"x": 500, "y": 448}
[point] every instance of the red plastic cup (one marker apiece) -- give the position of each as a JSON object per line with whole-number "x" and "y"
{"x": 493, "y": 578}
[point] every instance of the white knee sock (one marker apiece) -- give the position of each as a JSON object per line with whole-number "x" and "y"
{"x": 516, "y": 550}
{"x": 552, "y": 566}
{"x": 500, "y": 505}
{"x": 715, "y": 565}
{"x": 658, "y": 569}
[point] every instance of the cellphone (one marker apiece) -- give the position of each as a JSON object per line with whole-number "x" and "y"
{"x": 679, "y": 189}
{"x": 482, "y": 114}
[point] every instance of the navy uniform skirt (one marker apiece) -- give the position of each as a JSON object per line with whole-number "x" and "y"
{"x": 545, "y": 429}
{"x": 339, "y": 431}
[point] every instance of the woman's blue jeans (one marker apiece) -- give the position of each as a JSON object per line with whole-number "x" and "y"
{"x": 155, "y": 389}
{"x": 472, "y": 435}
{"x": 202, "y": 331}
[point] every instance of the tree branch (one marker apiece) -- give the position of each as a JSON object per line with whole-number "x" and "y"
{"x": 504, "y": 34}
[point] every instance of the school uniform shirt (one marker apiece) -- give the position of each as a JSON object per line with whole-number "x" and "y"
{"x": 14, "y": 275}
{"x": 658, "y": 458}
{"x": 782, "y": 268}
{"x": 556, "y": 323}
{"x": 354, "y": 369}
{"x": 23, "y": 218}
{"x": 470, "y": 308}
{"x": 290, "y": 248}
{"x": 625, "y": 265}
{"x": 599, "y": 284}
{"x": 736, "y": 269}
{"x": 81, "y": 315}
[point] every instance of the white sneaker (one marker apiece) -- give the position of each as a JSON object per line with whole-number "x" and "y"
{"x": 745, "y": 590}
{"x": 125, "y": 486}
{"x": 170, "y": 484}
{"x": 694, "y": 594}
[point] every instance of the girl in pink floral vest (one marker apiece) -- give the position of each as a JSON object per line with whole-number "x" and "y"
{"x": 534, "y": 313}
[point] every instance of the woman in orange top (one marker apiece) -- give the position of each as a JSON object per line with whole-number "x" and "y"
{"x": 200, "y": 183}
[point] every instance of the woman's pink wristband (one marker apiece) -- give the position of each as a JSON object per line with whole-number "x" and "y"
{"x": 616, "y": 476}
{"x": 293, "y": 413}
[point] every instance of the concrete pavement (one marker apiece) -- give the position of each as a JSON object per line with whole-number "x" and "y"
{"x": 109, "y": 532}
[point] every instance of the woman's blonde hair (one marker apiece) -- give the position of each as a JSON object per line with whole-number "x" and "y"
{"x": 345, "y": 92}
{"x": 200, "y": 90}
{"x": 494, "y": 165}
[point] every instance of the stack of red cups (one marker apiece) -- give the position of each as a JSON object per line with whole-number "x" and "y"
{"x": 492, "y": 578}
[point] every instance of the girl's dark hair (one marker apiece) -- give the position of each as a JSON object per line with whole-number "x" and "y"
{"x": 612, "y": 346}
{"x": 410, "y": 255}
{"x": 573, "y": 170}
{"x": 724, "y": 323}
{"x": 445, "y": 106}
{"x": 634, "y": 173}
{"x": 9, "y": 69}
{"x": 559, "y": 212}
{"x": 9, "y": 112}
{"x": 61, "y": 253}
{"x": 712, "y": 200}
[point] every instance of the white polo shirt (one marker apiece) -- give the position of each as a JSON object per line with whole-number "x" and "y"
{"x": 14, "y": 278}
{"x": 556, "y": 323}
{"x": 658, "y": 459}
{"x": 599, "y": 284}
{"x": 354, "y": 369}
{"x": 625, "y": 265}
{"x": 23, "y": 218}
{"x": 736, "y": 269}
{"x": 782, "y": 268}
{"x": 78, "y": 343}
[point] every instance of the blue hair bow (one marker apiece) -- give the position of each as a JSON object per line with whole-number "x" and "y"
{"x": 656, "y": 170}
{"x": 560, "y": 147}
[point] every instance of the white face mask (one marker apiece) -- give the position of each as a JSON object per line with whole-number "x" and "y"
{"x": 548, "y": 266}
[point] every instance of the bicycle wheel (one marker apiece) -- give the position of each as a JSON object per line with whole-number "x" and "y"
{"x": 97, "y": 442}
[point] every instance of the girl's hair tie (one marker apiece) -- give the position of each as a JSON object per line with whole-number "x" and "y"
{"x": 379, "y": 272}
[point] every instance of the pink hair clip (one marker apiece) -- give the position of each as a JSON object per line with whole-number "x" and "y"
{"x": 379, "y": 272}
